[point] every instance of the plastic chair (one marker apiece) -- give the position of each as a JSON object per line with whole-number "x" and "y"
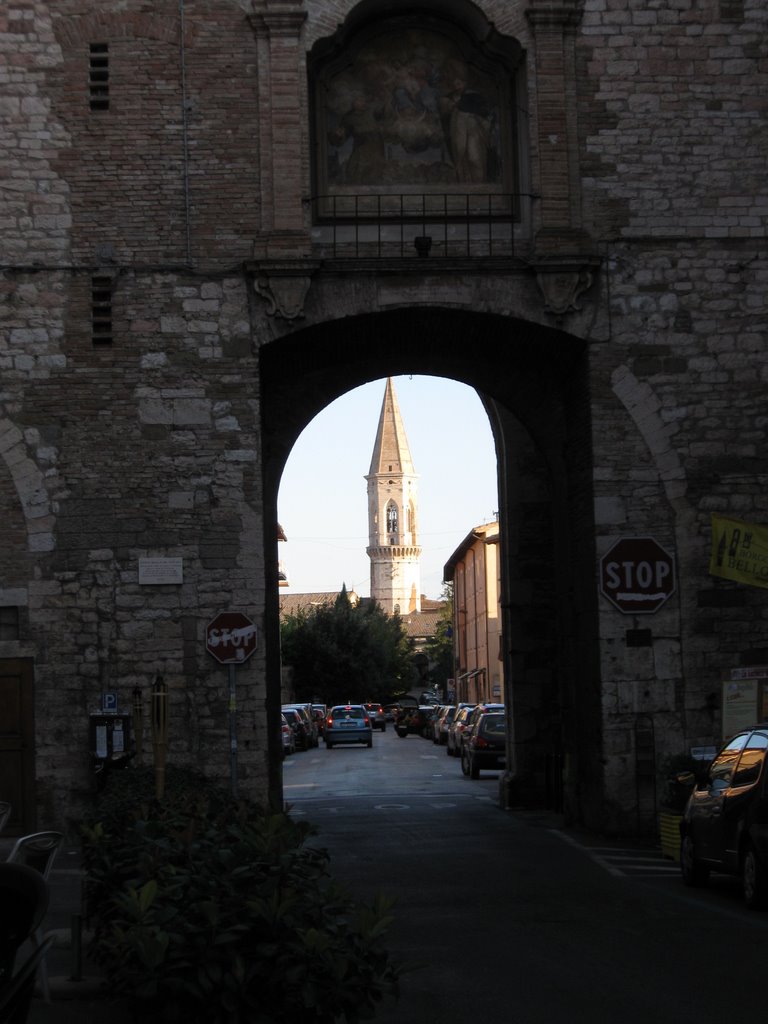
{"x": 38, "y": 851}
{"x": 5, "y": 813}
{"x": 16, "y": 994}
{"x": 24, "y": 901}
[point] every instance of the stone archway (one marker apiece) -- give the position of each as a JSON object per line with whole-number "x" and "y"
{"x": 533, "y": 382}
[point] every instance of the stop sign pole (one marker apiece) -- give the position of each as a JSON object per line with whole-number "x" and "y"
{"x": 231, "y": 639}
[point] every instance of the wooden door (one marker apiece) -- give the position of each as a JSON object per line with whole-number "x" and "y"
{"x": 17, "y": 743}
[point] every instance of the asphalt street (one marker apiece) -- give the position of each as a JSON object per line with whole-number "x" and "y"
{"x": 504, "y": 915}
{"x": 513, "y": 917}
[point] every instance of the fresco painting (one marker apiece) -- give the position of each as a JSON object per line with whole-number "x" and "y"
{"x": 412, "y": 111}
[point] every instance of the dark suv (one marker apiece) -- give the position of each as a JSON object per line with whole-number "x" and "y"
{"x": 725, "y": 824}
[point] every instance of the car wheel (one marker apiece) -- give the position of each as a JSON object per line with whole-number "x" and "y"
{"x": 754, "y": 880}
{"x": 474, "y": 771}
{"x": 464, "y": 765}
{"x": 369, "y": 743}
{"x": 328, "y": 746}
{"x": 693, "y": 871}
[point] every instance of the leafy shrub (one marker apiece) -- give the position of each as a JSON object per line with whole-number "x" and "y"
{"x": 208, "y": 909}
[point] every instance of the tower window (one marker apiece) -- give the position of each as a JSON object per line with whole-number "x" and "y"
{"x": 98, "y": 76}
{"x": 392, "y": 519}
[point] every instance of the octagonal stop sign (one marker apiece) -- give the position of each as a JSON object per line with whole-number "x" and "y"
{"x": 230, "y": 638}
{"x": 637, "y": 575}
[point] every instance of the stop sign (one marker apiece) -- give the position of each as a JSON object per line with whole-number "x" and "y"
{"x": 637, "y": 575}
{"x": 230, "y": 637}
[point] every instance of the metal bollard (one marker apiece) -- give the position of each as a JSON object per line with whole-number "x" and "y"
{"x": 76, "y": 931}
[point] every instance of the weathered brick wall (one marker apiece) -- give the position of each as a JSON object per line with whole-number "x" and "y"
{"x": 150, "y": 176}
{"x": 673, "y": 128}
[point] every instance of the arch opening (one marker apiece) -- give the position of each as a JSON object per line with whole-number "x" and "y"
{"x": 539, "y": 415}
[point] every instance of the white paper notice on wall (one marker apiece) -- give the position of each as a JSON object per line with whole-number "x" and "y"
{"x": 159, "y": 571}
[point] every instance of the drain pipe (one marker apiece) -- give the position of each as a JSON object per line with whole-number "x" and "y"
{"x": 184, "y": 138}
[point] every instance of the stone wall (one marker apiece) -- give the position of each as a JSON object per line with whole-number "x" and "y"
{"x": 643, "y": 141}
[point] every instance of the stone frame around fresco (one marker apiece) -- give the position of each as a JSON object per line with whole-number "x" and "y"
{"x": 348, "y": 66}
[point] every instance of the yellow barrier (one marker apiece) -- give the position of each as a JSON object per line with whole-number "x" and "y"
{"x": 669, "y": 833}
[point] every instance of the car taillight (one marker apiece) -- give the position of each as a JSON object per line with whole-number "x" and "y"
{"x": 367, "y": 720}
{"x": 329, "y": 722}
{"x": 480, "y": 741}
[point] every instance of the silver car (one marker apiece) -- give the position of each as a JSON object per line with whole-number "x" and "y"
{"x": 377, "y": 716}
{"x": 348, "y": 723}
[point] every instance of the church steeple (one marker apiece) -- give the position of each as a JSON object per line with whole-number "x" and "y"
{"x": 392, "y": 514}
{"x": 391, "y": 453}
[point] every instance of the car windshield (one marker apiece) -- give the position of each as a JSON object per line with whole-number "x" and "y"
{"x": 494, "y": 725}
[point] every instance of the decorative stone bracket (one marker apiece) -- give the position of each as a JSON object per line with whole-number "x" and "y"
{"x": 562, "y": 279}
{"x": 285, "y": 285}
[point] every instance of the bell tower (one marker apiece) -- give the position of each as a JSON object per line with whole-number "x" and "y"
{"x": 393, "y": 515}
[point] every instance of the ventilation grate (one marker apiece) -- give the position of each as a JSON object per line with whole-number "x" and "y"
{"x": 98, "y": 76}
{"x": 101, "y": 310}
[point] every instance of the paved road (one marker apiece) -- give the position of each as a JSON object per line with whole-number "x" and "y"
{"x": 510, "y": 917}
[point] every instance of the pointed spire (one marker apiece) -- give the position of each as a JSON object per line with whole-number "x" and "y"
{"x": 391, "y": 453}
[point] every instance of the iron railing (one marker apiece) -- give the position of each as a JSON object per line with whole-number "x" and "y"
{"x": 469, "y": 225}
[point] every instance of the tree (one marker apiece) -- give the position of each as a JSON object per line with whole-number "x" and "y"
{"x": 344, "y": 652}
{"x": 439, "y": 648}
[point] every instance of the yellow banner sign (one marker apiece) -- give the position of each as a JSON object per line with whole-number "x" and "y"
{"x": 739, "y": 551}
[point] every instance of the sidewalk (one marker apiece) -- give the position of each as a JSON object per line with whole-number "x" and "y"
{"x": 78, "y": 994}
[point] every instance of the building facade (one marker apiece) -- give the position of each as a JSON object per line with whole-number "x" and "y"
{"x": 474, "y": 570}
{"x": 219, "y": 215}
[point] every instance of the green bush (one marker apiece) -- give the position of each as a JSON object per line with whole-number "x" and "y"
{"x": 207, "y": 909}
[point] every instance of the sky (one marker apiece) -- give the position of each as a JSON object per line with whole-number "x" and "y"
{"x": 323, "y": 497}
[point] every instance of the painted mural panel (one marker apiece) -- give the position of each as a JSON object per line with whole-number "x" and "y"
{"x": 410, "y": 112}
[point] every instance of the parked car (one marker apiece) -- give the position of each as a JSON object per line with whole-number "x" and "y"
{"x": 377, "y": 716}
{"x": 319, "y": 711}
{"x": 473, "y": 718}
{"x": 725, "y": 823}
{"x": 289, "y": 739}
{"x": 301, "y": 731}
{"x": 348, "y": 723}
{"x": 444, "y": 719}
{"x": 486, "y": 747}
{"x": 305, "y": 710}
{"x": 430, "y": 721}
{"x": 414, "y": 719}
{"x": 453, "y": 743}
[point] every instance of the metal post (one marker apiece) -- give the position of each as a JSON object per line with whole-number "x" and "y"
{"x": 76, "y": 931}
{"x": 159, "y": 732}
{"x": 138, "y": 723}
{"x": 232, "y": 731}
